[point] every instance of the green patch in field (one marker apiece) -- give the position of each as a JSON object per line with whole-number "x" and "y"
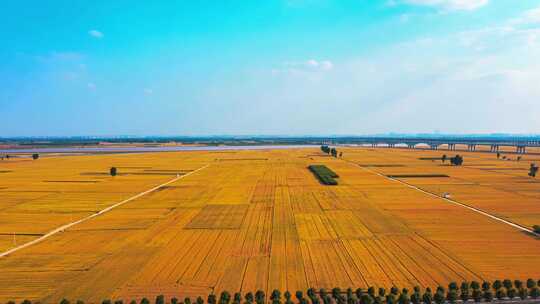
{"x": 324, "y": 174}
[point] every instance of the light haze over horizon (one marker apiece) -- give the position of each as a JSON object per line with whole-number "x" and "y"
{"x": 277, "y": 67}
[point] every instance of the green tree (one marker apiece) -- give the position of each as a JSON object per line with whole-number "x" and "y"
{"x": 64, "y": 301}
{"x": 366, "y": 299}
{"x": 452, "y": 296}
{"x": 500, "y": 293}
{"x": 488, "y": 296}
{"x": 187, "y": 300}
{"x": 394, "y": 290}
{"x": 211, "y": 299}
{"x": 523, "y": 293}
{"x": 534, "y": 293}
{"x": 531, "y": 283}
{"x": 259, "y": 297}
{"x": 250, "y": 298}
{"x": 382, "y": 292}
{"x": 497, "y": 284}
{"x": 26, "y": 302}
{"x": 199, "y": 300}
{"x": 113, "y": 171}
{"x": 107, "y": 301}
{"x": 391, "y": 299}
{"x": 118, "y": 302}
{"x": 161, "y": 299}
{"x": 287, "y": 295}
{"x": 174, "y": 300}
{"x": 237, "y": 298}
{"x": 477, "y": 295}
{"x": 536, "y": 229}
{"x": 452, "y": 286}
{"x": 518, "y": 284}
{"x": 439, "y": 297}
{"x": 371, "y": 291}
{"x": 444, "y": 158}
{"x": 416, "y": 298}
{"x": 145, "y": 301}
{"x": 475, "y": 285}
{"x": 35, "y": 156}
{"x": 465, "y": 294}
{"x": 427, "y": 297}
{"x": 225, "y": 297}
{"x": 507, "y": 284}
{"x": 511, "y": 293}
{"x": 404, "y": 298}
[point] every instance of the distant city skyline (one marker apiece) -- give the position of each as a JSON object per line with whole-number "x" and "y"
{"x": 281, "y": 67}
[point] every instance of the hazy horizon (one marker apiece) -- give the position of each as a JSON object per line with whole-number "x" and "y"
{"x": 274, "y": 68}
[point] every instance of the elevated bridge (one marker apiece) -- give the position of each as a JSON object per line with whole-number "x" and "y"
{"x": 471, "y": 143}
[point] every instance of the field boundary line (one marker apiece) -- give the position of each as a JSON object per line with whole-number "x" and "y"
{"x": 103, "y": 211}
{"x": 520, "y": 227}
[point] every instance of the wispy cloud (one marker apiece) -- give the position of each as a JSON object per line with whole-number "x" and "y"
{"x": 455, "y": 5}
{"x": 307, "y": 66}
{"x": 96, "y": 34}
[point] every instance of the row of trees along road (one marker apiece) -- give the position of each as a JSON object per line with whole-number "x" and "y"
{"x": 331, "y": 151}
{"x": 474, "y": 291}
{"x": 7, "y": 156}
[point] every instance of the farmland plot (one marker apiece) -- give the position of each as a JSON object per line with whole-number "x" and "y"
{"x": 260, "y": 220}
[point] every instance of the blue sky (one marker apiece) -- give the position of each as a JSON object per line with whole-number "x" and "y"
{"x": 269, "y": 67}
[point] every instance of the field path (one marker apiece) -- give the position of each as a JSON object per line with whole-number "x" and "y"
{"x": 103, "y": 211}
{"x": 494, "y": 217}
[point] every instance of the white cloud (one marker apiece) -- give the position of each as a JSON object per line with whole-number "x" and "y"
{"x": 96, "y": 34}
{"x": 308, "y": 66}
{"x": 455, "y": 5}
{"x": 91, "y": 86}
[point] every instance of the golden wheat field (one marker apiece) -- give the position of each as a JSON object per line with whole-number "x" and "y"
{"x": 258, "y": 219}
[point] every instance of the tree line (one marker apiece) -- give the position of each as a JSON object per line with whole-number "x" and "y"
{"x": 456, "y": 160}
{"x": 453, "y": 293}
{"x": 331, "y": 151}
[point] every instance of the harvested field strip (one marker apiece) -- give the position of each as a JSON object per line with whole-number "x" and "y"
{"x": 368, "y": 266}
{"x": 66, "y": 181}
{"x": 239, "y": 159}
{"x": 416, "y": 175}
{"x": 464, "y": 272}
{"x": 219, "y": 217}
{"x": 347, "y": 225}
{"x": 380, "y": 166}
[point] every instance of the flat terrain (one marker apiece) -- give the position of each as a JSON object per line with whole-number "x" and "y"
{"x": 253, "y": 220}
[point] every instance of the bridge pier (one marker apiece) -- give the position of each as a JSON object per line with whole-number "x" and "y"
{"x": 391, "y": 145}
{"x": 471, "y": 147}
{"x": 451, "y": 147}
{"x": 494, "y": 148}
{"x": 433, "y": 146}
{"x": 520, "y": 149}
